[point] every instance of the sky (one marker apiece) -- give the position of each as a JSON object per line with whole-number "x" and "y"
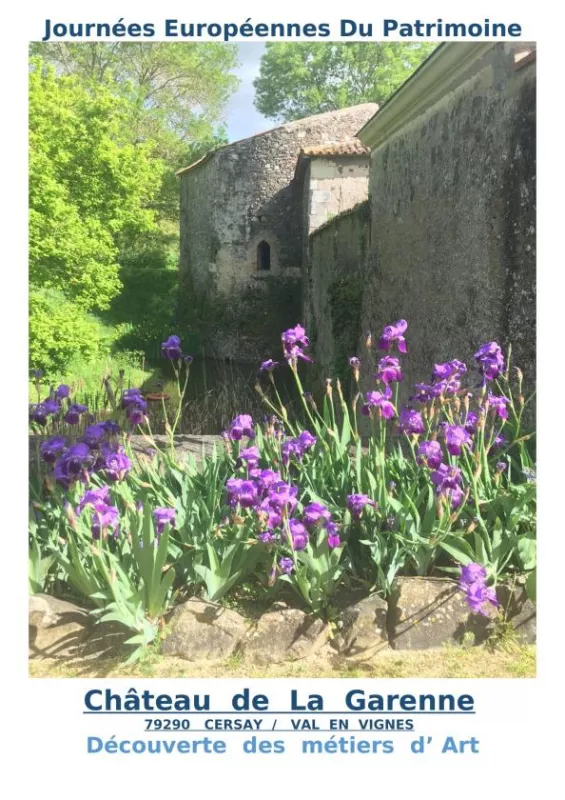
{"x": 243, "y": 119}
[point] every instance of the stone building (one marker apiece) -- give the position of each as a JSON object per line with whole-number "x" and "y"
{"x": 447, "y": 238}
{"x": 423, "y": 209}
{"x": 246, "y": 212}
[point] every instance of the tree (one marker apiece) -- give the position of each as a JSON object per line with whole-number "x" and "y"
{"x": 297, "y": 80}
{"x": 177, "y": 93}
{"x": 88, "y": 186}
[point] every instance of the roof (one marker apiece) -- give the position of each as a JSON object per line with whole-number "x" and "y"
{"x": 352, "y": 148}
{"x": 447, "y": 64}
{"x": 296, "y": 123}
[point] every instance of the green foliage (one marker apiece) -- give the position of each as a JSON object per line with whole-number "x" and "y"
{"x": 109, "y": 126}
{"x": 173, "y": 95}
{"x": 176, "y": 92}
{"x": 59, "y": 333}
{"x": 89, "y": 186}
{"x": 297, "y": 80}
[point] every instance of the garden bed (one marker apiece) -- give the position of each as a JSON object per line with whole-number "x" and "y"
{"x": 292, "y": 535}
{"x": 420, "y": 614}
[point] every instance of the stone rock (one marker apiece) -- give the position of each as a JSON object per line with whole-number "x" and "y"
{"x": 430, "y": 612}
{"x": 519, "y": 610}
{"x": 285, "y": 634}
{"x": 106, "y": 640}
{"x": 203, "y": 631}
{"x": 57, "y": 628}
{"x": 362, "y": 628}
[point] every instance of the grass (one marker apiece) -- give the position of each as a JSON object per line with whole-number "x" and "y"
{"x": 86, "y": 378}
{"x": 506, "y": 661}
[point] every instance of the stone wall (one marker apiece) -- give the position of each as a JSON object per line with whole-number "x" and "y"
{"x": 334, "y": 288}
{"x": 231, "y": 201}
{"x": 452, "y": 192}
{"x": 334, "y": 185}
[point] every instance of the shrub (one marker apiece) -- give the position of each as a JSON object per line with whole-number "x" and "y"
{"x": 59, "y": 333}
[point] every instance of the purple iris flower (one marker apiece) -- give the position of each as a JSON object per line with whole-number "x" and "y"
{"x": 456, "y": 438}
{"x": 116, "y": 465}
{"x": 272, "y": 516}
{"x": 299, "y": 534}
{"x": 93, "y": 497}
{"x": 241, "y": 492}
{"x": 51, "y": 406}
{"x": 282, "y": 496}
{"x": 389, "y": 370}
{"x": 268, "y": 365}
{"x": 94, "y": 434}
{"x": 429, "y": 454}
{"x": 411, "y": 421}
{"x": 296, "y": 335}
{"x": 333, "y": 535}
{"x": 499, "y": 440}
{"x": 112, "y": 428}
{"x": 37, "y": 374}
{"x": 294, "y": 339}
{"x": 472, "y": 573}
{"x": 73, "y": 463}
{"x": 490, "y": 359}
{"x": 394, "y": 333}
{"x": 132, "y": 397}
{"x": 446, "y": 477}
{"x": 171, "y": 349}
{"x": 249, "y": 456}
{"x": 499, "y": 404}
{"x": 267, "y": 537}
{"x": 241, "y": 426}
{"x": 286, "y": 565}
{"x": 447, "y": 480}
{"x": 357, "y": 502}
{"x": 74, "y": 412}
{"x": 163, "y": 517}
{"x": 297, "y": 447}
{"x": 264, "y": 478}
{"x": 473, "y": 582}
{"x": 501, "y": 466}
{"x": 425, "y": 392}
{"x": 62, "y": 391}
{"x": 136, "y": 415}
{"x": 305, "y": 440}
{"x": 314, "y": 513}
{"x": 471, "y": 422}
{"x": 104, "y": 518}
{"x": 447, "y": 370}
{"x": 40, "y": 412}
{"x": 135, "y": 405}
{"x": 377, "y": 401}
{"x": 51, "y": 448}
{"x": 478, "y": 595}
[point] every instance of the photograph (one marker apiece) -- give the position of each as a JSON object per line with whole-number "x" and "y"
{"x": 282, "y": 359}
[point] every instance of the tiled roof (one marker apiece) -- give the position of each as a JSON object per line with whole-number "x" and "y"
{"x": 351, "y": 148}
{"x": 368, "y": 109}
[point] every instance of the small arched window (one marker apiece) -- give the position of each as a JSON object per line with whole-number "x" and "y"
{"x": 263, "y": 256}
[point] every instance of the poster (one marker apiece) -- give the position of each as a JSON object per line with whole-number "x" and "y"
{"x": 281, "y": 337}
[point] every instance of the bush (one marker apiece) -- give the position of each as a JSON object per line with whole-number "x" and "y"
{"x": 59, "y": 333}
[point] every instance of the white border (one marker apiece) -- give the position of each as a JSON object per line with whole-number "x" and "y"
{"x": 519, "y": 719}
